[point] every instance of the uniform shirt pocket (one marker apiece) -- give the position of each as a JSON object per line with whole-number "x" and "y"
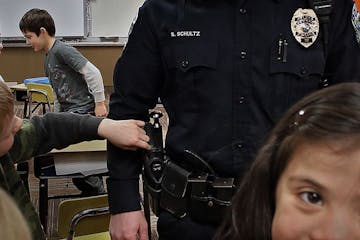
{"x": 292, "y": 78}
{"x": 187, "y": 56}
{"x": 299, "y": 61}
{"x": 190, "y": 69}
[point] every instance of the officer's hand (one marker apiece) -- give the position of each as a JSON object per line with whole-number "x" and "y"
{"x": 126, "y": 134}
{"x": 128, "y": 226}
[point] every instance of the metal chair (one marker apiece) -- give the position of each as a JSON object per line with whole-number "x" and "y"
{"x": 41, "y": 95}
{"x": 86, "y": 218}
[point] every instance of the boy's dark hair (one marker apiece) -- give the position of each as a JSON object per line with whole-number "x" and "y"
{"x": 36, "y": 18}
{"x": 329, "y": 115}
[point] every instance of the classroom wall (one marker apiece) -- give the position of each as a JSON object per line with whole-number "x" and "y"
{"x": 68, "y": 16}
{"x": 113, "y": 17}
{"x": 19, "y": 63}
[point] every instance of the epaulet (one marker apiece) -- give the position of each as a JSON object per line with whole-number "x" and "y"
{"x": 323, "y": 9}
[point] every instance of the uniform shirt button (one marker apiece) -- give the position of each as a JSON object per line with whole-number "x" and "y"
{"x": 242, "y": 54}
{"x": 242, "y": 100}
{"x": 303, "y": 71}
{"x": 242, "y": 10}
{"x": 239, "y": 145}
{"x": 324, "y": 83}
{"x": 184, "y": 64}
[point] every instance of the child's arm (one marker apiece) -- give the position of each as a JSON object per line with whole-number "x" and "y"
{"x": 126, "y": 134}
{"x": 94, "y": 81}
{"x": 58, "y": 130}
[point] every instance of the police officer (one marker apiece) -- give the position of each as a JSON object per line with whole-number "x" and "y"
{"x": 225, "y": 70}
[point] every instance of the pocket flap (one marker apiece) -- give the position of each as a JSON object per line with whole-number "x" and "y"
{"x": 185, "y": 57}
{"x": 299, "y": 63}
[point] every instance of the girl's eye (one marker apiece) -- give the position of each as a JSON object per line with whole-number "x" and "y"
{"x": 312, "y": 198}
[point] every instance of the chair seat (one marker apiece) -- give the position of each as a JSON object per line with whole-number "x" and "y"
{"x": 95, "y": 236}
{"x": 40, "y": 94}
{"x": 84, "y": 217}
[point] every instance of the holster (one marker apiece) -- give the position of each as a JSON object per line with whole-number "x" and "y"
{"x": 152, "y": 183}
{"x": 188, "y": 187}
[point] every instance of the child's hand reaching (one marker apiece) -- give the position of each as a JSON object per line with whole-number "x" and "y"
{"x": 100, "y": 109}
{"x": 126, "y": 134}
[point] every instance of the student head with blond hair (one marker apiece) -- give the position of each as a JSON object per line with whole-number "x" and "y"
{"x": 12, "y": 224}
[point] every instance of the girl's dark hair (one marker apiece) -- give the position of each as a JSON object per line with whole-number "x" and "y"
{"x": 330, "y": 114}
{"x": 34, "y": 19}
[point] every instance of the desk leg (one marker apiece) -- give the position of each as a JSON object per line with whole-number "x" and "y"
{"x": 43, "y": 202}
{"x": 147, "y": 210}
{"x": 25, "y": 109}
{"x": 23, "y": 170}
{"x": 21, "y": 96}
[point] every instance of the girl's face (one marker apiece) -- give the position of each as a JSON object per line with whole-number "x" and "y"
{"x": 318, "y": 195}
{"x": 12, "y": 126}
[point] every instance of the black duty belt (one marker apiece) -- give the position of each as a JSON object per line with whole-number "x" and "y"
{"x": 187, "y": 187}
{"x": 202, "y": 196}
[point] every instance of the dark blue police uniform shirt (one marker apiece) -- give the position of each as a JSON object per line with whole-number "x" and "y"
{"x": 214, "y": 63}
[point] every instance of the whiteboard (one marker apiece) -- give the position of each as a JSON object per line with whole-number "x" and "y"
{"x": 67, "y": 14}
{"x": 113, "y": 17}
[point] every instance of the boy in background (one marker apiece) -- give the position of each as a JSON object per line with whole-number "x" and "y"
{"x": 22, "y": 139}
{"x": 77, "y": 83}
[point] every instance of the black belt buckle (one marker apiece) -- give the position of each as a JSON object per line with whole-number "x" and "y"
{"x": 210, "y": 197}
{"x": 199, "y": 186}
{"x": 223, "y": 188}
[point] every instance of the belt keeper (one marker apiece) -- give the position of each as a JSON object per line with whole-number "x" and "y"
{"x": 223, "y": 188}
{"x": 199, "y": 186}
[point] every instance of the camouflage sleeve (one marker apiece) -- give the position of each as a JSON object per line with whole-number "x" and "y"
{"x": 59, "y": 130}
{"x": 25, "y": 143}
{"x": 16, "y": 189}
{"x": 41, "y": 134}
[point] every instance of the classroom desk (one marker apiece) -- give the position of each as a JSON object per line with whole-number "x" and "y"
{"x": 10, "y": 84}
{"x": 18, "y": 87}
{"x": 74, "y": 161}
{"x": 90, "y": 158}
{"x": 20, "y": 93}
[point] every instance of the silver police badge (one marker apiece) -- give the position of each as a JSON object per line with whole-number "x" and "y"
{"x": 305, "y": 26}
